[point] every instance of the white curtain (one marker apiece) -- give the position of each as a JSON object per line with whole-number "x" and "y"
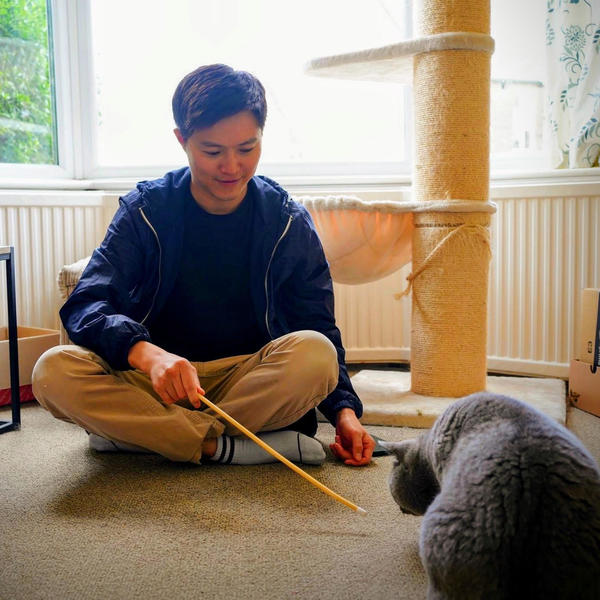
{"x": 573, "y": 45}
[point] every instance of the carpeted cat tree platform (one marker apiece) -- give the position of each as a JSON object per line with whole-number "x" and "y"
{"x": 444, "y": 230}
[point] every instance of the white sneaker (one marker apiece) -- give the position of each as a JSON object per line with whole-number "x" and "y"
{"x": 101, "y": 444}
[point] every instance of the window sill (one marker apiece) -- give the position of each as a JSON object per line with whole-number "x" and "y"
{"x": 501, "y": 181}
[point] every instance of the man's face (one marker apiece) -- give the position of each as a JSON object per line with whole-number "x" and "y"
{"x": 223, "y": 158}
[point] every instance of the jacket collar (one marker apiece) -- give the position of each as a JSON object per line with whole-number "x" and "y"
{"x": 163, "y": 199}
{"x": 271, "y": 200}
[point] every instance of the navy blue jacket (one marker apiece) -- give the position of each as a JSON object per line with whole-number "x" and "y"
{"x": 132, "y": 272}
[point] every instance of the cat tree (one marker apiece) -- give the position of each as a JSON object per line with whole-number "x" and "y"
{"x": 445, "y": 229}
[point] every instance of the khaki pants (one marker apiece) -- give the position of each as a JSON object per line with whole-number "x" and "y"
{"x": 265, "y": 391}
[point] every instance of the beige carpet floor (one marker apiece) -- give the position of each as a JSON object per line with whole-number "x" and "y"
{"x": 81, "y": 525}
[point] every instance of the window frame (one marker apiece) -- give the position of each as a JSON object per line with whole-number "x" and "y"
{"x": 307, "y": 171}
{"x": 72, "y": 60}
{"x": 75, "y": 101}
{"x": 57, "y": 45}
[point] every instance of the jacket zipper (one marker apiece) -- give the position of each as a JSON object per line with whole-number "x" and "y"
{"x": 159, "y": 264}
{"x": 267, "y": 273}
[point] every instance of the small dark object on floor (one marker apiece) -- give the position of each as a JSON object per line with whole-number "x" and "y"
{"x": 379, "y": 449}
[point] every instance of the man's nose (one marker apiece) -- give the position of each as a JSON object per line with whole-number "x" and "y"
{"x": 229, "y": 163}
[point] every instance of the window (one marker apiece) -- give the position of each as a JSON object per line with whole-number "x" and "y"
{"x": 517, "y": 127}
{"x": 27, "y": 116}
{"x": 139, "y": 58}
{"x": 117, "y": 63}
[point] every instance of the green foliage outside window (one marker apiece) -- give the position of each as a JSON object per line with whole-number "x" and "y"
{"x": 26, "y": 95}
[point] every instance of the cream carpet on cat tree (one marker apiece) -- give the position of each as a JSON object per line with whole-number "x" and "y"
{"x": 387, "y": 399}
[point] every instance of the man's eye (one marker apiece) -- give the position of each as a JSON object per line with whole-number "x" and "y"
{"x": 246, "y": 150}
{"x": 209, "y": 153}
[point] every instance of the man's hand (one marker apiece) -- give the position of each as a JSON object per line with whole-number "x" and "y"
{"x": 352, "y": 444}
{"x": 173, "y": 377}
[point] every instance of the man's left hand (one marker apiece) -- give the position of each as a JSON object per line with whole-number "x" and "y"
{"x": 352, "y": 444}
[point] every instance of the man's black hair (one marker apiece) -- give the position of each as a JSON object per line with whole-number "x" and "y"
{"x": 214, "y": 92}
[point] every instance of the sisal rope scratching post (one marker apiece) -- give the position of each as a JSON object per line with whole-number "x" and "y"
{"x": 451, "y": 250}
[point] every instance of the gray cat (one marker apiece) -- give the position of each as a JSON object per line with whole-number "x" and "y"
{"x": 511, "y": 502}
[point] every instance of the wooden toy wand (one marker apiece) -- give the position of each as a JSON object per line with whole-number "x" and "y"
{"x": 283, "y": 459}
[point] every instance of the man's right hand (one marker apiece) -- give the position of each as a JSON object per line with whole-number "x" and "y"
{"x": 173, "y": 377}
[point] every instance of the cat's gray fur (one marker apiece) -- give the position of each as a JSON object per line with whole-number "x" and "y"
{"x": 511, "y": 502}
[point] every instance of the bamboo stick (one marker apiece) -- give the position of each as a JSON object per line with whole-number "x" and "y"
{"x": 283, "y": 459}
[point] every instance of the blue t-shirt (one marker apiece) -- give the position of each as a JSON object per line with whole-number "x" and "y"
{"x": 209, "y": 313}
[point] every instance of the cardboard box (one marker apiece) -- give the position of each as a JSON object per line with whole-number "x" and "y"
{"x": 584, "y": 387}
{"x": 33, "y": 342}
{"x": 589, "y": 327}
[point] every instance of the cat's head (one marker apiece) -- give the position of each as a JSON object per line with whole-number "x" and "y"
{"x": 412, "y": 482}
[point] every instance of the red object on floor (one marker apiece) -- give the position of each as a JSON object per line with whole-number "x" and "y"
{"x": 25, "y": 394}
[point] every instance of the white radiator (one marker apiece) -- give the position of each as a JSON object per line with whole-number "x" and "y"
{"x": 48, "y": 230}
{"x": 546, "y": 248}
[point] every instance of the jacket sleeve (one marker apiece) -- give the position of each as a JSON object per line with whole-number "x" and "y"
{"x": 310, "y": 305}
{"x": 100, "y": 313}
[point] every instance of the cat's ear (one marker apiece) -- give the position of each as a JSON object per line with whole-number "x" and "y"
{"x": 398, "y": 449}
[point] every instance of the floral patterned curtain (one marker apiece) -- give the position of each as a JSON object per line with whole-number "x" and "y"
{"x": 573, "y": 45}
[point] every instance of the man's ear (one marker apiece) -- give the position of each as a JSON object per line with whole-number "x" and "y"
{"x": 179, "y": 136}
